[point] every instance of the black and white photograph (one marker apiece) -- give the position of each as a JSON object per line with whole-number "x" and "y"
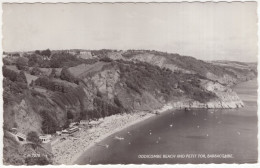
{"x": 130, "y": 83}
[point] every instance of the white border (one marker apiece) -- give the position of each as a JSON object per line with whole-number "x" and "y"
{"x": 145, "y": 1}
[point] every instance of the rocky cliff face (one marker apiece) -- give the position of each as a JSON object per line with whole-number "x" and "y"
{"x": 108, "y": 82}
{"x": 225, "y": 79}
{"x": 104, "y": 80}
{"x": 160, "y": 61}
{"x": 128, "y": 82}
{"x": 26, "y": 114}
{"x": 226, "y": 98}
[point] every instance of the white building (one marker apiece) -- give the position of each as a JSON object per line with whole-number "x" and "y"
{"x": 70, "y": 130}
{"x": 45, "y": 138}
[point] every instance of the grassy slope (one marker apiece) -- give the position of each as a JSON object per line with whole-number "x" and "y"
{"x": 233, "y": 69}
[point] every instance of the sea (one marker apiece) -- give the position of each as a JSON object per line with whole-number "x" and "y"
{"x": 180, "y": 137}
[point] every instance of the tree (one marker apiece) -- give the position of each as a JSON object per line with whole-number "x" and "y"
{"x": 32, "y": 84}
{"x": 53, "y": 73}
{"x": 36, "y": 71}
{"x": 34, "y": 60}
{"x": 9, "y": 74}
{"x": 106, "y": 59}
{"x": 49, "y": 124}
{"x": 37, "y": 52}
{"x": 21, "y": 77}
{"x": 46, "y": 52}
{"x": 77, "y": 52}
{"x": 69, "y": 115}
{"x": 118, "y": 102}
{"x": 99, "y": 94}
{"x": 22, "y": 63}
{"x": 33, "y": 137}
{"x": 66, "y": 75}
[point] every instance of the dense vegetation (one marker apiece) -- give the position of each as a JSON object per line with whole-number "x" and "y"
{"x": 22, "y": 63}
{"x": 33, "y": 137}
{"x": 102, "y": 52}
{"x": 66, "y": 75}
{"x": 184, "y": 62}
{"x": 52, "y": 85}
{"x": 14, "y": 84}
{"x": 46, "y": 52}
{"x": 60, "y": 60}
{"x": 54, "y": 94}
{"x": 54, "y": 60}
{"x": 101, "y": 110}
{"x": 14, "y": 76}
{"x": 49, "y": 124}
{"x": 143, "y": 76}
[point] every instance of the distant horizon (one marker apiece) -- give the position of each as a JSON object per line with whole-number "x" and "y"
{"x": 206, "y": 31}
{"x": 131, "y": 49}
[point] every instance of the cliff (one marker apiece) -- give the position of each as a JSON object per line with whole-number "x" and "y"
{"x": 112, "y": 82}
{"x": 225, "y": 72}
{"x": 226, "y": 98}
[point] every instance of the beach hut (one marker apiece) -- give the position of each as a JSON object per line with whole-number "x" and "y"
{"x": 83, "y": 122}
{"x": 70, "y": 130}
{"x": 73, "y": 124}
{"x": 73, "y": 129}
{"x": 64, "y": 132}
{"x": 58, "y": 132}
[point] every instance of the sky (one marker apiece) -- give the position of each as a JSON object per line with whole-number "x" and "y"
{"x": 207, "y": 31}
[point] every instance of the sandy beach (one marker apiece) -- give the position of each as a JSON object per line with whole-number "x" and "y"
{"x": 232, "y": 131}
{"x": 68, "y": 151}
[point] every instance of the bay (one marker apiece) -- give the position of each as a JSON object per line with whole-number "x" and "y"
{"x": 181, "y": 137}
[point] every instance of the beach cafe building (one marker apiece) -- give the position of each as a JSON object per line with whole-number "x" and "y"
{"x": 45, "y": 138}
{"x": 70, "y": 130}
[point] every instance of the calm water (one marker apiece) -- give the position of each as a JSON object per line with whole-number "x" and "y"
{"x": 232, "y": 132}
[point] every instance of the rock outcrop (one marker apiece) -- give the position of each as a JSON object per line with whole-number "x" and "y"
{"x": 226, "y": 98}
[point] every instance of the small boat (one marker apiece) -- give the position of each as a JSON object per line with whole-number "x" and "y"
{"x": 187, "y": 109}
{"x": 157, "y": 113}
{"x": 106, "y": 146}
{"x": 119, "y": 138}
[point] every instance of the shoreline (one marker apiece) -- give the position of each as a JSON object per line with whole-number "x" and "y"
{"x": 109, "y": 126}
{"x": 101, "y": 132}
{"x": 113, "y": 124}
